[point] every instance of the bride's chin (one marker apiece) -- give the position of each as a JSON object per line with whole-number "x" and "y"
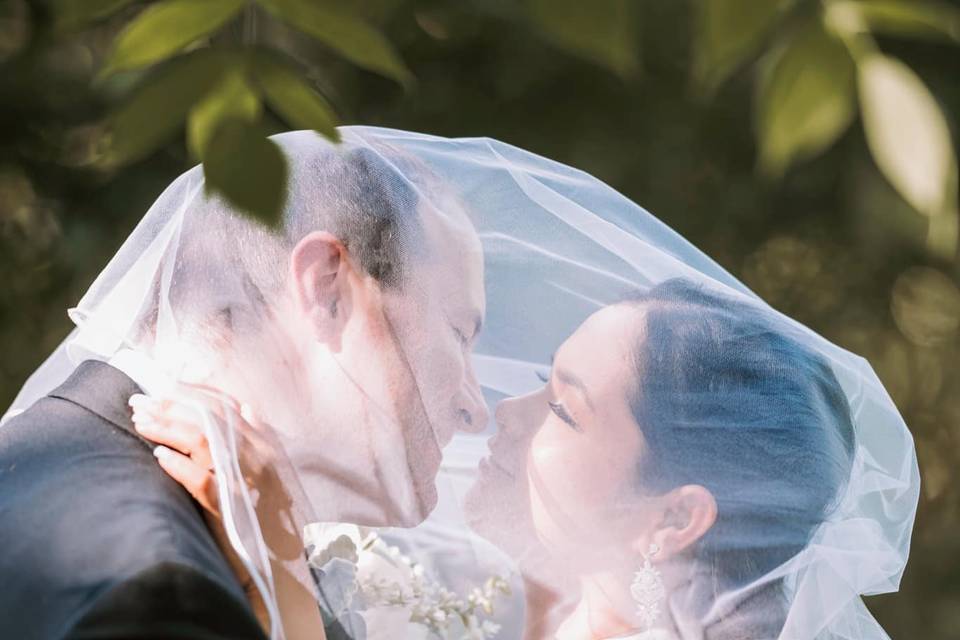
{"x": 489, "y": 505}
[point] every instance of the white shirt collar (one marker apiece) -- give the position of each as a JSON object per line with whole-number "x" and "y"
{"x": 142, "y": 370}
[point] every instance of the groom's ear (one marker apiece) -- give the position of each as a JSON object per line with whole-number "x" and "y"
{"x": 319, "y": 273}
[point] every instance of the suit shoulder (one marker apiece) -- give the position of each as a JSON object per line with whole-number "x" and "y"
{"x": 169, "y": 600}
{"x": 84, "y": 506}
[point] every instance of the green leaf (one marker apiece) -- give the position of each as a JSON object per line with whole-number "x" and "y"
{"x": 911, "y": 18}
{"x": 291, "y": 97}
{"x": 248, "y": 170}
{"x": 908, "y": 134}
{"x": 165, "y": 28}
{"x": 345, "y": 33}
{"x": 805, "y": 99}
{"x": 727, "y": 33}
{"x": 602, "y": 31}
{"x": 231, "y": 98}
{"x": 156, "y": 109}
{"x": 76, "y": 14}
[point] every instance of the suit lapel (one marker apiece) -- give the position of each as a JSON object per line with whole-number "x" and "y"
{"x": 103, "y": 390}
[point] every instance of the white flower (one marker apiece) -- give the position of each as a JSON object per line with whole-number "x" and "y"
{"x": 476, "y": 630}
{"x": 343, "y": 547}
{"x": 390, "y": 579}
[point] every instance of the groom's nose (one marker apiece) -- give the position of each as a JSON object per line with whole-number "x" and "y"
{"x": 474, "y": 414}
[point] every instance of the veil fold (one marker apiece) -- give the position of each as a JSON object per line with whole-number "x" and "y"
{"x": 791, "y": 554}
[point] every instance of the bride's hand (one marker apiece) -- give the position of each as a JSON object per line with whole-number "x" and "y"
{"x": 174, "y": 423}
{"x": 183, "y": 451}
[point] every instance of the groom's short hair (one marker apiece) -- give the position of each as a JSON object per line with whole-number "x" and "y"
{"x": 367, "y": 197}
{"x": 363, "y": 196}
{"x": 364, "y": 199}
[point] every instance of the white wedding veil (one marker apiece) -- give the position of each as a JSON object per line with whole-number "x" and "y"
{"x": 761, "y": 473}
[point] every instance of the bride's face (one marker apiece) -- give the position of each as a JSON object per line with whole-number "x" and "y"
{"x": 584, "y": 454}
{"x": 570, "y": 450}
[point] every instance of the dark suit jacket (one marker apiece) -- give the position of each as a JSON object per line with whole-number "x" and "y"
{"x": 96, "y": 541}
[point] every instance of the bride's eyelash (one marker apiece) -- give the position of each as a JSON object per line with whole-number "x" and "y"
{"x": 557, "y": 408}
{"x": 562, "y": 413}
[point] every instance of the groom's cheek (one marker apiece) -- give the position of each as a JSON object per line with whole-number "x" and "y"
{"x": 444, "y": 381}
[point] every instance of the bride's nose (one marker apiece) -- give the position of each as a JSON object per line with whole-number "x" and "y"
{"x": 503, "y": 412}
{"x": 513, "y": 411}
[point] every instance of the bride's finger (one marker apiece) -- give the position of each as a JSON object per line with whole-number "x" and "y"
{"x": 257, "y": 446}
{"x": 186, "y": 438}
{"x": 219, "y": 402}
{"x": 177, "y": 424}
{"x": 167, "y": 408}
{"x": 226, "y": 406}
{"x": 197, "y": 480}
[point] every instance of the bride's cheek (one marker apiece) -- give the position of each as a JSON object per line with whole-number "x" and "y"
{"x": 555, "y": 466}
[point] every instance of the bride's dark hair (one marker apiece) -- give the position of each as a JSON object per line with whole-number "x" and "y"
{"x": 729, "y": 400}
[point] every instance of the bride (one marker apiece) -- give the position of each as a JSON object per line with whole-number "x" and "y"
{"x": 690, "y": 463}
{"x": 684, "y": 446}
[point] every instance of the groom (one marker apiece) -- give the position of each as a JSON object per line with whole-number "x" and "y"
{"x": 364, "y": 313}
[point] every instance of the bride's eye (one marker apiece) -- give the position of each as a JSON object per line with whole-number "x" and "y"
{"x": 562, "y": 413}
{"x": 544, "y": 378}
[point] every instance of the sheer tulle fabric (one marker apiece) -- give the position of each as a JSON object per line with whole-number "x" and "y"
{"x": 810, "y": 465}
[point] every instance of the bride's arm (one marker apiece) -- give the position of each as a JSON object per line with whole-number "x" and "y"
{"x": 183, "y": 452}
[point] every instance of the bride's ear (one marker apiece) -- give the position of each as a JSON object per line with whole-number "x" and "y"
{"x": 319, "y": 274}
{"x": 688, "y": 513}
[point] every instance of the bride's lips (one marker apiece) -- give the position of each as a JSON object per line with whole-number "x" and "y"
{"x": 490, "y": 463}
{"x": 498, "y": 460}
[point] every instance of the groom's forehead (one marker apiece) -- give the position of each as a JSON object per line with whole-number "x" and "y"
{"x": 450, "y": 236}
{"x": 451, "y": 279}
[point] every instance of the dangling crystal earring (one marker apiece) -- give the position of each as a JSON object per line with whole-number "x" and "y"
{"x": 647, "y": 590}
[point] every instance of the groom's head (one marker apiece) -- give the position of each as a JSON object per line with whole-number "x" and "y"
{"x": 352, "y": 326}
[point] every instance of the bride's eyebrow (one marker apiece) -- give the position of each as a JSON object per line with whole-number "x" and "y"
{"x": 570, "y": 379}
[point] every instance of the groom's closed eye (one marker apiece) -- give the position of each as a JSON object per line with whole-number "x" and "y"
{"x": 466, "y": 334}
{"x": 476, "y": 323}
{"x": 461, "y": 336}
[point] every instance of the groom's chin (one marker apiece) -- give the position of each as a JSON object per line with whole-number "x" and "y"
{"x": 477, "y": 505}
{"x": 425, "y": 504}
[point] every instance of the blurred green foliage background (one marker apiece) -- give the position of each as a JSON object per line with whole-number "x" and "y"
{"x": 805, "y": 145}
